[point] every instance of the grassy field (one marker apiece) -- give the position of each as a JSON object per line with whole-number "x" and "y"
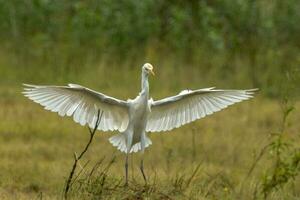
{"x": 248, "y": 151}
{"x": 208, "y": 159}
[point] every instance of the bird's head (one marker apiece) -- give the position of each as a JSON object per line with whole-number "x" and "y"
{"x": 148, "y": 68}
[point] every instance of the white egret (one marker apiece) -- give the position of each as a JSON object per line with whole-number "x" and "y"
{"x": 135, "y": 117}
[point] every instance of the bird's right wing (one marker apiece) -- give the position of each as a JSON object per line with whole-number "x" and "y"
{"x": 189, "y": 105}
{"x": 81, "y": 103}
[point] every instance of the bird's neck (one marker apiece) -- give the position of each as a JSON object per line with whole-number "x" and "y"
{"x": 145, "y": 84}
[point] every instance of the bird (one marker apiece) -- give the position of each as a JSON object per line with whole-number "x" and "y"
{"x": 133, "y": 119}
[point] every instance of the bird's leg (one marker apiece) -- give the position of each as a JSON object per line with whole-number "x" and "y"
{"x": 143, "y": 138}
{"x": 142, "y": 170}
{"x": 126, "y": 170}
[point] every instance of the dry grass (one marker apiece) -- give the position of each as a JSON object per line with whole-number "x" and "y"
{"x": 37, "y": 147}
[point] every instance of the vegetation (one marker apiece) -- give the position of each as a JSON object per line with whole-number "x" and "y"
{"x": 256, "y": 41}
{"x": 37, "y": 153}
{"x": 249, "y": 151}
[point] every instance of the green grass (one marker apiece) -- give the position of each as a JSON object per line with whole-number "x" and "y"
{"x": 37, "y": 146}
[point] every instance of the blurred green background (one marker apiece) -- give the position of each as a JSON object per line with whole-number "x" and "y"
{"x": 243, "y": 43}
{"x": 102, "y": 44}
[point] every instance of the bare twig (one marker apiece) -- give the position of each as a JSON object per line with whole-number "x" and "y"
{"x": 79, "y": 173}
{"x": 77, "y": 158}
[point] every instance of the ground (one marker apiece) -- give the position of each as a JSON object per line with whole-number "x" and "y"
{"x": 209, "y": 158}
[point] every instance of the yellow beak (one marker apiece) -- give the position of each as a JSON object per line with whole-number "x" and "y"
{"x": 152, "y": 72}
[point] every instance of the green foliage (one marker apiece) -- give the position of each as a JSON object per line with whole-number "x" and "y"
{"x": 256, "y": 41}
{"x": 219, "y": 24}
{"x": 286, "y": 159}
{"x": 285, "y": 169}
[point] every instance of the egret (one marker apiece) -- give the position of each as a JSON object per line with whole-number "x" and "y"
{"x": 135, "y": 117}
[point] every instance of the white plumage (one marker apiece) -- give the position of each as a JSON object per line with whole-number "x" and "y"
{"x": 81, "y": 103}
{"x": 188, "y": 106}
{"x": 133, "y": 118}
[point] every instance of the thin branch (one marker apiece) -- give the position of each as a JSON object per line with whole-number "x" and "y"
{"x": 92, "y": 132}
{"x": 79, "y": 173}
{"x": 77, "y": 158}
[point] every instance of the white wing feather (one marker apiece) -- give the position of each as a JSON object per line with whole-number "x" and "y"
{"x": 189, "y": 105}
{"x": 81, "y": 103}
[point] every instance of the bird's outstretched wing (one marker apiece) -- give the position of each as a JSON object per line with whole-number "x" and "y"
{"x": 189, "y": 105}
{"x": 81, "y": 103}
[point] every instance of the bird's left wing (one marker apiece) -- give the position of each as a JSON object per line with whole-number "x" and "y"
{"x": 189, "y": 105}
{"x": 82, "y": 103}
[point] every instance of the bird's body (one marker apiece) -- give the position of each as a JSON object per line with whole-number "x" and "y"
{"x": 138, "y": 114}
{"x": 134, "y": 137}
{"x": 135, "y": 133}
{"x": 133, "y": 118}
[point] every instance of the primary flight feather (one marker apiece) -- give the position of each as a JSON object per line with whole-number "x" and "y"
{"x": 133, "y": 118}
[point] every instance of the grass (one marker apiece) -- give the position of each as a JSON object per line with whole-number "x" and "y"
{"x": 208, "y": 159}
{"x": 227, "y": 44}
{"x": 37, "y": 147}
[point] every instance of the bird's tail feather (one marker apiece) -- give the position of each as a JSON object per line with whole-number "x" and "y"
{"x": 119, "y": 141}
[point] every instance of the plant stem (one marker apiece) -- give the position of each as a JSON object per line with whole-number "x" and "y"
{"x": 77, "y": 158}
